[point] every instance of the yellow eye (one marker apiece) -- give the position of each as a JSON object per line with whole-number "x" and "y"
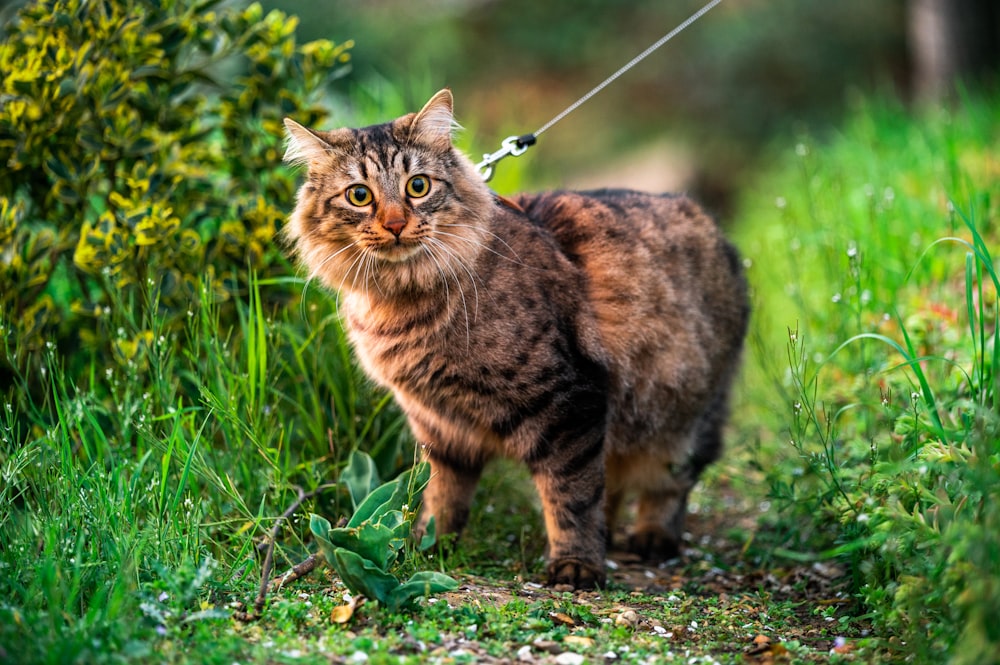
{"x": 418, "y": 186}
{"x": 359, "y": 195}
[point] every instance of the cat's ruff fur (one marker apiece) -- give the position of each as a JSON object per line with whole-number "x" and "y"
{"x": 593, "y": 336}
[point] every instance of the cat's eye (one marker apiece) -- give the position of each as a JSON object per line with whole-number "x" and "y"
{"x": 359, "y": 195}
{"x": 418, "y": 186}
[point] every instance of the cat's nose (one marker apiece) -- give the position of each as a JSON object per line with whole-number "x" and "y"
{"x": 394, "y": 225}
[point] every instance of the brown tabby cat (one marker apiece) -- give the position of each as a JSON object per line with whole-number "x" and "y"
{"x": 593, "y": 336}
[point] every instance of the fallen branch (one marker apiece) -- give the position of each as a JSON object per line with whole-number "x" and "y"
{"x": 297, "y": 572}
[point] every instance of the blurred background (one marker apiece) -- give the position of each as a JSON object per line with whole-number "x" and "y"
{"x": 698, "y": 115}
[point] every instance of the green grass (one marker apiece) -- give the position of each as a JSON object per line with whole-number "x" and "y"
{"x": 876, "y": 355}
{"x": 133, "y": 502}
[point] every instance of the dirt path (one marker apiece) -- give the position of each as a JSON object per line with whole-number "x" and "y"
{"x": 713, "y": 605}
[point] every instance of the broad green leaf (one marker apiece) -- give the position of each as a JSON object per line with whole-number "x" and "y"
{"x": 392, "y": 519}
{"x": 320, "y": 526}
{"x": 360, "y": 476}
{"x": 429, "y": 537}
{"x": 372, "y": 541}
{"x": 373, "y": 504}
{"x": 363, "y": 577}
{"x": 421, "y": 584}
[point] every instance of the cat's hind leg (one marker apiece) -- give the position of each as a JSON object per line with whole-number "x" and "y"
{"x": 659, "y": 526}
{"x": 662, "y": 510}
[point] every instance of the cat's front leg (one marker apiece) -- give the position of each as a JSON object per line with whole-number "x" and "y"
{"x": 573, "y": 502}
{"x": 448, "y": 495}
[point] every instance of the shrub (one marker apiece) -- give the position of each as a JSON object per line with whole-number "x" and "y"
{"x": 141, "y": 150}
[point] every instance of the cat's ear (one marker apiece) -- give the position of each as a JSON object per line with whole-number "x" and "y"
{"x": 303, "y": 146}
{"x": 434, "y": 124}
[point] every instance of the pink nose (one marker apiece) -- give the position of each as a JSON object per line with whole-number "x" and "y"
{"x": 394, "y": 226}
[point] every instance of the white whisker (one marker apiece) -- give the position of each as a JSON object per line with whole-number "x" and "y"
{"x": 427, "y": 249}
{"x": 371, "y": 273}
{"x": 474, "y": 241}
{"x": 437, "y": 244}
{"x": 314, "y": 273}
{"x": 352, "y": 268}
{"x": 459, "y": 259}
{"x": 437, "y": 264}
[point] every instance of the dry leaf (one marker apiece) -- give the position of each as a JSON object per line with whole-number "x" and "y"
{"x": 578, "y": 640}
{"x": 765, "y": 651}
{"x": 342, "y": 613}
{"x": 561, "y": 618}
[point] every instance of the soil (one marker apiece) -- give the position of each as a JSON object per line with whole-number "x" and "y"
{"x": 715, "y": 575}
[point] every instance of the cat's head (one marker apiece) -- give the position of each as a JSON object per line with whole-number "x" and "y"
{"x": 391, "y": 207}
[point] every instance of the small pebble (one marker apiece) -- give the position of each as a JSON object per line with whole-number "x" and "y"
{"x": 569, "y": 658}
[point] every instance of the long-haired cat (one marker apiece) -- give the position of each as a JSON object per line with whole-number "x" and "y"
{"x": 593, "y": 335}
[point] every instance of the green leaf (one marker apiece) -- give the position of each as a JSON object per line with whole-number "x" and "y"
{"x": 320, "y": 526}
{"x": 392, "y": 496}
{"x": 363, "y": 577}
{"x": 421, "y": 584}
{"x": 360, "y": 476}
{"x": 374, "y": 504}
{"x": 67, "y": 87}
{"x": 392, "y": 519}
{"x": 429, "y": 537}
{"x": 140, "y": 146}
{"x": 57, "y": 169}
{"x": 377, "y": 543}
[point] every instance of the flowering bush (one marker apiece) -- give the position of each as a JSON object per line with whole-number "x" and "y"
{"x": 140, "y": 143}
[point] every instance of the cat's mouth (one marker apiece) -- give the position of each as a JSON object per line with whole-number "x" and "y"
{"x": 398, "y": 250}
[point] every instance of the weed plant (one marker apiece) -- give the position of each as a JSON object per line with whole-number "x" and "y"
{"x": 877, "y": 345}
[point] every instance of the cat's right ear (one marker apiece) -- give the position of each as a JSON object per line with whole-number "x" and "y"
{"x": 304, "y": 147}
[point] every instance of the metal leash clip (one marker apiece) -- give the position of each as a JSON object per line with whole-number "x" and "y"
{"x": 514, "y": 146}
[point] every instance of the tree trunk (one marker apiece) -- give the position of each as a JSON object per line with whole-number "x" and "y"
{"x": 952, "y": 41}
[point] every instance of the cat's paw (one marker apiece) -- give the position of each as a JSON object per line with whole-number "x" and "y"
{"x": 569, "y": 572}
{"x": 654, "y": 544}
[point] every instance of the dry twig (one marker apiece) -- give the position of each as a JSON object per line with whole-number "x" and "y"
{"x": 297, "y": 572}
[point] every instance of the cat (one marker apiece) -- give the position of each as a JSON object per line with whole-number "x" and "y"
{"x": 593, "y": 336}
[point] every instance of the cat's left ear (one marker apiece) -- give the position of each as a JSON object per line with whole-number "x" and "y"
{"x": 435, "y": 122}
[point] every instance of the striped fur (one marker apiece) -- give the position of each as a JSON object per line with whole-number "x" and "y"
{"x": 593, "y": 336}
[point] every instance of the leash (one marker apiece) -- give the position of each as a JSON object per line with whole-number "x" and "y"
{"x": 515, "y": 146}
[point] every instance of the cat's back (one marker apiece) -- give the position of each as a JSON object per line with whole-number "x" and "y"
{"x": 620, "y": 232}
{"x": 600, "y": 223}
{"x": 641, "y": 244}
{"x": 666, "y": 287}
